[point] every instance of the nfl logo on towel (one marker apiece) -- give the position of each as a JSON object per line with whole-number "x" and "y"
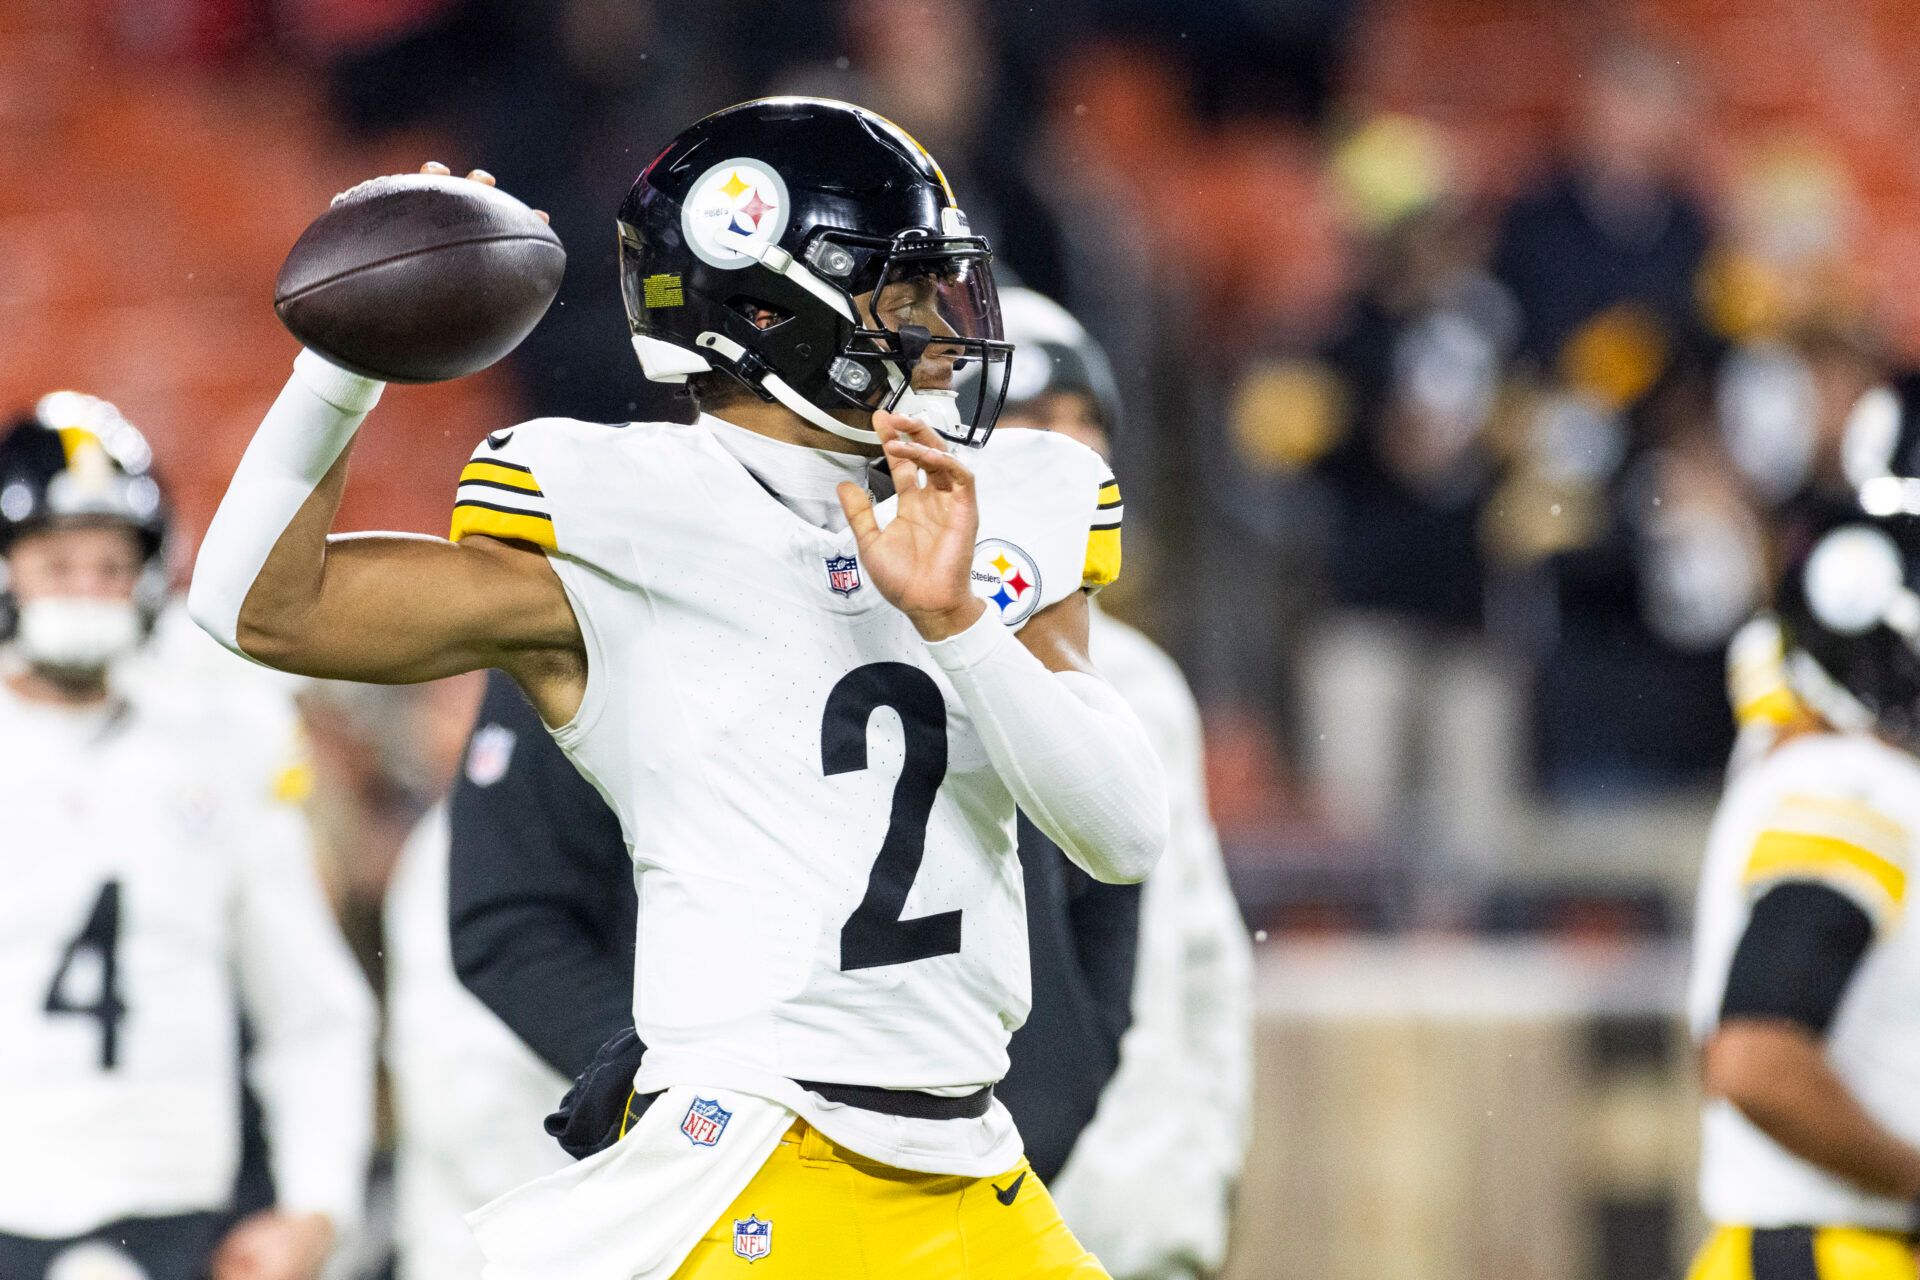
{"x": 706, "y": 1121}
{"x": 752, "y": 1239}
{"x": 843, "y": 574}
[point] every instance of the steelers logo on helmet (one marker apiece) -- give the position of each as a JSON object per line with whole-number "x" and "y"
{"x": 1853, "y": 579}
{"x": 734, "y": 211}
{"x": 1006, "y": 578}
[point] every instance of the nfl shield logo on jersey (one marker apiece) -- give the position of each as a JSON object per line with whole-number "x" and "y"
{"x": 752, "y": 1239}
{"x": 843, "y": 574}
{"x": 706, "y": 1120}
{"x": 489, "y": 755}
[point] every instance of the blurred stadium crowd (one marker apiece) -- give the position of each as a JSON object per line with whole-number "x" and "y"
{"x": 1480, "y": 357}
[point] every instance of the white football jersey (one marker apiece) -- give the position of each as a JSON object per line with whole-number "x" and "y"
{"x": 828, "y": 884}
{"x": 155, "y": 883}
{"x": 1842, "y": 810}
{"x": 468, "y": 1096}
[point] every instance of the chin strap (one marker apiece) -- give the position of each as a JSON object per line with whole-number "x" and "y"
{"x": 668, "y": 362}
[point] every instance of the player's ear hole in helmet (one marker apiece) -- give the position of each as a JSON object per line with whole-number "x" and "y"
{"x": 838, "y": 225}
{"x": 77, "y": 460}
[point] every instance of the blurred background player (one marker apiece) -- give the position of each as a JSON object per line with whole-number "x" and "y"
{"x": 1871, "y": 455}
{"x": 159, "y": 889}
{"x": 1150, "y": 1181}
{"x": 542, "y": 933}
{"x": 1804, "y": 992}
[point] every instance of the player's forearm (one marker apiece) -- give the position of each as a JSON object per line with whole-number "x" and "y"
{"x": 262, "y": 563}
{"x": 1778, "y": 1075}
{"x": 1069, "y": 749}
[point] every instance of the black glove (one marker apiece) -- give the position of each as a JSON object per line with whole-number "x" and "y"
{"x": 602, "y": 1102}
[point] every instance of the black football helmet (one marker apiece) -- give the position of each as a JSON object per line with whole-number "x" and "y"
{"x": 1850, "y": 616}
{"x": 76, "y": 457}
{"x": 814, "y": 251}
{"x": 1053, "y": 352}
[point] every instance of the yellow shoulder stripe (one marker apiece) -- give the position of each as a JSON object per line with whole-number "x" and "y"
{"x": 492, "y": 522}
{"x": 1845, "y": 819}
{"x": 1103, "y": 558}
{"x": 1785, "y": 855}
{"x": 495, "y": 473}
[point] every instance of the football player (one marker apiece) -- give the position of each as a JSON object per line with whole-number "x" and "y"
{"x": 157, "y": 887}
{"x": 468, "y": 1095}
{"x": 537, "y": 888}
{"x": 1880, "y": 470}
{"x": 1806, "y": 983}
{"x": 1150, "y": 1181}
{"x": 813, "y": 707}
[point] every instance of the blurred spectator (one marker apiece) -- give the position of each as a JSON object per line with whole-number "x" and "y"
{"x": 1606, "y": 251}
{"x": 1396, "y": 675}
{"x": 935, "y": 69}
{"x": 1627, "y": 551}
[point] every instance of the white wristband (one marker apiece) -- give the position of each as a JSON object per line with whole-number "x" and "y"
{"x": 298, "y": 442}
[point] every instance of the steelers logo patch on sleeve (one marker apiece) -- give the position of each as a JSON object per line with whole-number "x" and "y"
{"x": 1007, "y": 578}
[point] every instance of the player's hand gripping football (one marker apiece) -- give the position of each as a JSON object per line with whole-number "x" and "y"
{"x": 921, "y": 560}
{"x": 480, "y": 176}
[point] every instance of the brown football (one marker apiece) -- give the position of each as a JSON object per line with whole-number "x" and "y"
{"x": 419, "y": 278}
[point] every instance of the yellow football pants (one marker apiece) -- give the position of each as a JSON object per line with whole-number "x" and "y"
{"x": 1805, "y": 1253}
{"x": 817, "y": 1211}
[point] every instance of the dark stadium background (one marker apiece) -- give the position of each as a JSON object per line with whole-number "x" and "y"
{"x": 1476, "y": 353}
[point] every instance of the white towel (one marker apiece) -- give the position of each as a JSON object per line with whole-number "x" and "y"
{"x": 635, "y": 1210}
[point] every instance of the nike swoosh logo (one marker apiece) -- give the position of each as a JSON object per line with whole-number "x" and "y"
{"x": 1006, "y": 1196}
{"x": 498, "y": 439}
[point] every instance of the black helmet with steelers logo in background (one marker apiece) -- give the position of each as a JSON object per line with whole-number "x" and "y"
{"x": 813, "y": 250}
{"x": 1054, "y": 353}
{"x": 1849, "y": 616}
{"x": 77, "y": 458}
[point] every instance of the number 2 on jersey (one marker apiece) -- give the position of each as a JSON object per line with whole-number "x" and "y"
{"x": 101, "y": 937}
{"x": 875, "y": 934}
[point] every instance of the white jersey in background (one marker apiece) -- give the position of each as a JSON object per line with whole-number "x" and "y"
{"x": 829, "y": 889}
{"x": 468, "y": 1096}
{"x": 1842, "y": 810}
{"x": 156, "y": 886}
{"x": 1149, "y": 1184}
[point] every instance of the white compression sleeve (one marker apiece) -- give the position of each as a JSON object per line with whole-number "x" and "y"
{"x": 1069, "y": 749}
{"x": 298, "y": 441}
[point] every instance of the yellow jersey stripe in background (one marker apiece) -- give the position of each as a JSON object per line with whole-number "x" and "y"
{"x": 1786, "y": 855}
{"x": 1843, "y": 819}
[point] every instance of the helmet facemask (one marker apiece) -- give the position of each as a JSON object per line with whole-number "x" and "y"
{"x": 928, "y": 344}
{"x": 864, "y": 323}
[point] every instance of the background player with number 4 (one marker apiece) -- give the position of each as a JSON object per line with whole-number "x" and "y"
{"x": 816, "y": 769}
{"x": 160, "y": 883}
